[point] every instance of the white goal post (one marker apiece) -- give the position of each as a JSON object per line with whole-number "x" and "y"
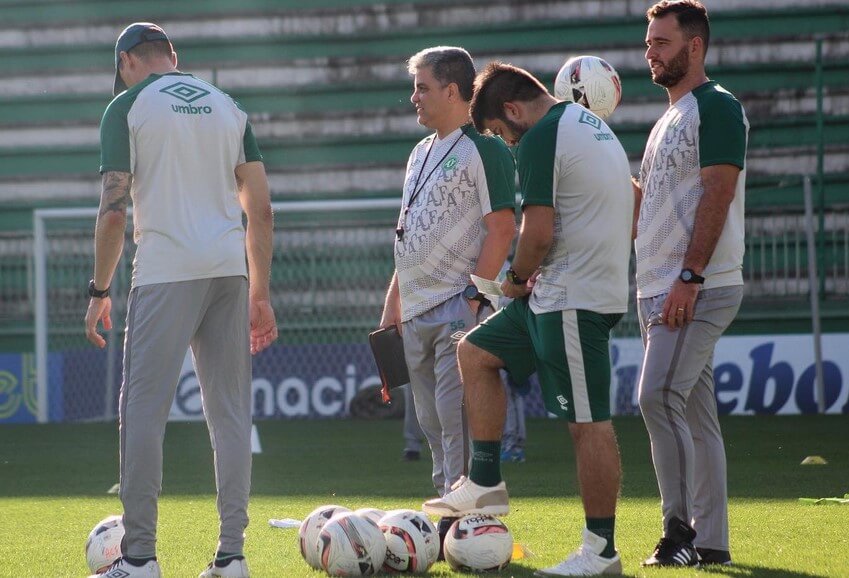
{"x": 42, "y": 218}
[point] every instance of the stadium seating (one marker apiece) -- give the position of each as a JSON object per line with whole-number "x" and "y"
{"x": 328, "y": 94}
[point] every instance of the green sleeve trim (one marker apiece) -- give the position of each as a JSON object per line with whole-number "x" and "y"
{"x": 115, "y": 135}
{"x": 499, "y": 168}
{"x": 722, "y": 128}
{"x": 249, "y": 143}
{"x": 535, "y": 159}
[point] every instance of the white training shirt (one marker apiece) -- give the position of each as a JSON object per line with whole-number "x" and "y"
{"x": 444, "y": 229}
{"x": 181, "y": 138}
{"x": 706, "y": 127}
{"x": 572, "y": 161}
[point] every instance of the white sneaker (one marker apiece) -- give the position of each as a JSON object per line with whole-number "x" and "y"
{"x": 466, "y": 497}
{"x": 586, "y": 560}
{"x": 120, "y": 568}
{"x": 236, "y": 568}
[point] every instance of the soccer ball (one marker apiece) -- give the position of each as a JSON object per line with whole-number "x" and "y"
{"x": 478, "y": 543}
{"x": 412, "y": 544}
{"x": 373, "y": 514}
{"x": 351, "y": 545}
{"x": 591, "y": 82}
{"x": 310, "y": 528}
{"x": 103, "y": 545}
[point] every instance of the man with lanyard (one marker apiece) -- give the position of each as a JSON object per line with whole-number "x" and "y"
{"x": 457, "y": 219}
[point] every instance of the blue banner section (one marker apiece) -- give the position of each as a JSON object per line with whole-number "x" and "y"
{"x": 753, "y": 375}
{"x": 18, "y": 391}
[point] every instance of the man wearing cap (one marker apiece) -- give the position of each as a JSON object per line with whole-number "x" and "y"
{"x": 185, "y": 154}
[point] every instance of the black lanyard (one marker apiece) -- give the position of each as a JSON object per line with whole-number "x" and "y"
{"x": 399, "y": 230}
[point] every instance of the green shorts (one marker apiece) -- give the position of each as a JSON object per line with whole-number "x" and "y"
{"x": 568, "y": 349}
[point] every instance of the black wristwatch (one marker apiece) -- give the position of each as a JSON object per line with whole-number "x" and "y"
{"x": 472, "y": 293}
{"x": 95, "y": 292}
{"x": 513, "y": 278}
{"x": 690, "y": 276}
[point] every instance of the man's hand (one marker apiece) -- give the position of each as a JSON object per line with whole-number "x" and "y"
{"x": 263, "y": 325}
{"x": 514, "y": 291}
{"x": 391, "y": 316}
{"x": 680, "y": 305}
{"x": 98, "y": 310}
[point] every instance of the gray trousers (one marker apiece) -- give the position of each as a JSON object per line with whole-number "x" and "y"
{"x": 676, "y": 396}
{"x": 412, "y": 430}
{"x": 163, "y": 320}
{"x": 430, "y": 348}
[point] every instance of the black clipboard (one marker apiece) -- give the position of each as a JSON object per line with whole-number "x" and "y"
{"x": 387, "y": 346}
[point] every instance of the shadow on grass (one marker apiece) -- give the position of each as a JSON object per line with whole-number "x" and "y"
{"x": 746, "y": 571}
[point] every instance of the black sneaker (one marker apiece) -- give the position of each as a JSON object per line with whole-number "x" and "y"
{"x": 442, "y": 528}
{"x": 676, "y": 548}
{"x": 709, "y": 556}
{"x": 411, "y": 456}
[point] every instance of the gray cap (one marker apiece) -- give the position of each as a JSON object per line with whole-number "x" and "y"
{"x": 132, "y": 36}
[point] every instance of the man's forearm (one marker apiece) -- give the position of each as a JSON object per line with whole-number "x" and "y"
{"x": 111, "y": 225}
{"x": 719, "y": 184}
{"x": 501, "y": 228}
{"x": 259, "y": 246}
{"x": 535, "y": 240}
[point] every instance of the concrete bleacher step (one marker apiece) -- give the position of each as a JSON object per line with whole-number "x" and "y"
{"x": 70, "y": 22}
{"x": 560, "y": 37}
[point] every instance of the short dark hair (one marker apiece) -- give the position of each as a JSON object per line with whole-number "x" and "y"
{"x": 146, "y": 50}
{"x": 500, "y": 83}
{"x": 691, "y": 16}
{"x": 448, "y": 64}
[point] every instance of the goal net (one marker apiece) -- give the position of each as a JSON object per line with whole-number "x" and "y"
{"x": 331, "y": 264}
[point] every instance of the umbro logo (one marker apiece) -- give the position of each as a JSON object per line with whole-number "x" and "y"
{"x": 590, "y": 119}
{"x": 117, "y": 573}
{"x": 188, "y": 93}
{"x": 458, "y": 335}
{"x": 564, "y": 403}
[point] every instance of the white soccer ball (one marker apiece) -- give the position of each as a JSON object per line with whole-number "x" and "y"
{"x": 412, "y": 544}
{"x": 478, "y": 543}
{"x": 591, "y": 82}
{"x": 310, "y": 528}
{"x": 351, "y": 545}
{"x": 103, "y": 545}
{"x": 373, "y": 514}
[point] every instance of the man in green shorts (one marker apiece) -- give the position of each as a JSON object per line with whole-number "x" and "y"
{"x": 569, "y": 282}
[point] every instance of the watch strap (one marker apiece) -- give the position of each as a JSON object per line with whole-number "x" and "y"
{"x": 93, "y": 291}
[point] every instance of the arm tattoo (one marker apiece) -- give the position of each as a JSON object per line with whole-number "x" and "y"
{"x": 116, "y": 192}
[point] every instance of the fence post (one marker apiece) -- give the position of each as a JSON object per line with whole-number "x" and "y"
{"x": 818, "y": 80}
{"x": 815, "y": 296}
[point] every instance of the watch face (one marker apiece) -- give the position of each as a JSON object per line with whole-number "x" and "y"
{"x": 686, "y": 275}
{"x": 470, "y": 292}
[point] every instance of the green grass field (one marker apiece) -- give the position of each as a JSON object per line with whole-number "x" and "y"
{"x": 54, "y": 479}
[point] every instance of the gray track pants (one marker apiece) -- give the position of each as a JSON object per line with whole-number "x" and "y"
{"x": 412, "y": 430}
{"x": 430, "y": 348}
{"x": 163, "y": 320}
{"x": 678, "y": 405}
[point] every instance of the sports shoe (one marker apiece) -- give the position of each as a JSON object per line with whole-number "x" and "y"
{"x": 710, "y": 557}
{"x": 515, "y": 455}
{"x": 121, "y": 568}
{"x": 411, "y": 456}
{"x": 676, "y": 548}
{"x": 466, "y": 497}
{"x": 234, "y": 568}
{"x": 586, "y": 560}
